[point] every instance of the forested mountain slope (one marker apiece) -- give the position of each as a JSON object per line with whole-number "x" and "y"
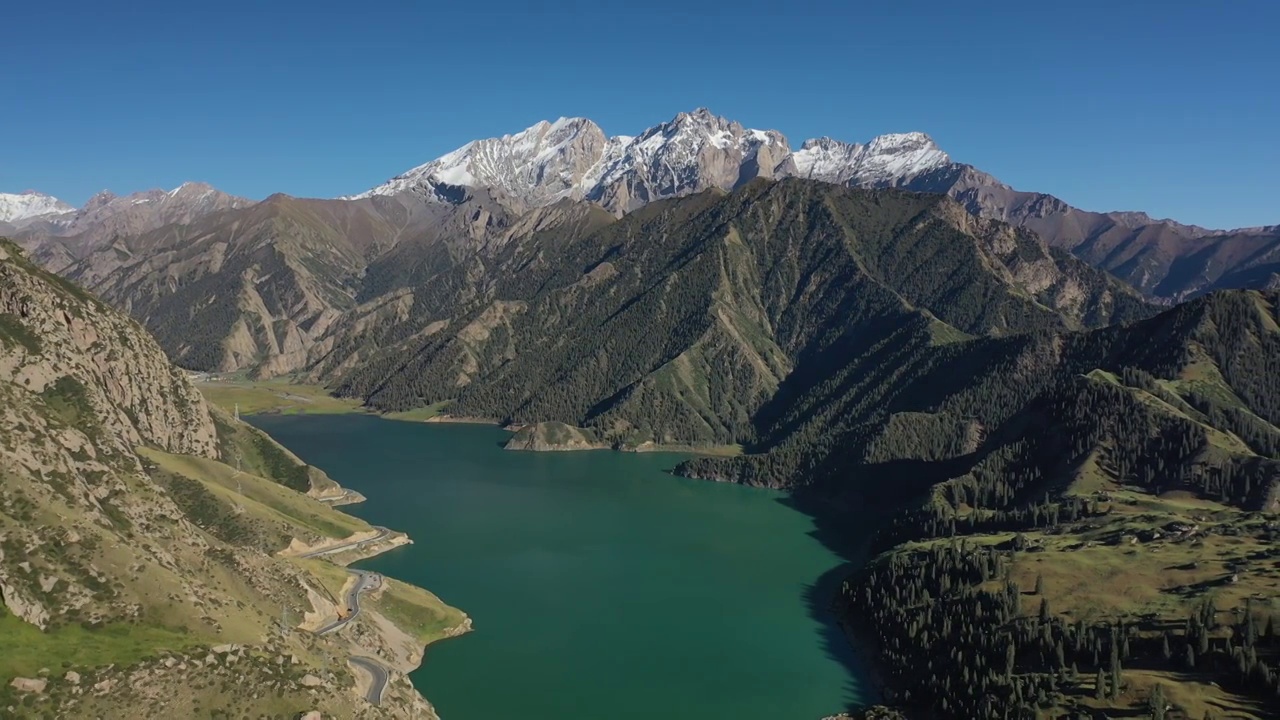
{"x": 1125, "y": 478}
{"x": 680, "y": 321}
{"x": 910, "y": 396}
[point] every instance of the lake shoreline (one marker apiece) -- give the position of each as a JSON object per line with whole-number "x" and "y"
{"x": 389, "y": 641}
{"x": 560, "y": 538}
{"x": 281, "y": 398}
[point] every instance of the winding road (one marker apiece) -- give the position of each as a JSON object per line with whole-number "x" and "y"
{"x": 364, "y": 581}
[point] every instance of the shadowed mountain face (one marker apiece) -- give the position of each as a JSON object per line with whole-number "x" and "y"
{"x": 1198, "y": 369}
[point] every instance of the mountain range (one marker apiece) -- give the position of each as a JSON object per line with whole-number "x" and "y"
{"x": 271, "y": 286}
{"x": 867, "y": 325}
{"x": 573, "y": 159}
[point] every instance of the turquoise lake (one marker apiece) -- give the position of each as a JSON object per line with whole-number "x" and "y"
{"x": 600, "y": 586}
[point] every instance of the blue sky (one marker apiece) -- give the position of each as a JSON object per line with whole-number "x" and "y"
{"x": 1170, "y": 107}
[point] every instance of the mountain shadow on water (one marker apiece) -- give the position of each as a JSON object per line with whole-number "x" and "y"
{"x": 831, "y": 511}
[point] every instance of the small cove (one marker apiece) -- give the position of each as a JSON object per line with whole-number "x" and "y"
{"x": 599, "y": 585}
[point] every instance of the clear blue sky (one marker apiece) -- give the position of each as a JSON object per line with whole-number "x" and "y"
{"x": 1167, "y": 106}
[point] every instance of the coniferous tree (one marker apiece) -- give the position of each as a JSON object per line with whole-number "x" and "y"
{"x": 1157, "y": 703}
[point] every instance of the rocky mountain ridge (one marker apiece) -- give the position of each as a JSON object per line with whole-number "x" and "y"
{"x": 64, "y": 234}
{"x": 573, "y": 159}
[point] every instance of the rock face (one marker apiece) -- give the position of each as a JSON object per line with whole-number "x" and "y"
{"x": 692, "y": 152}
{"x": 113, "y": 512}
{"x": 536, "y": 166}
{"x": 261, "y": 287}
{"x": 80, "y": 388}
{"x": 886, "y": 161}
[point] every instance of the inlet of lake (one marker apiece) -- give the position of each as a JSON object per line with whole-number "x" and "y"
{"x": 599, "y": 585}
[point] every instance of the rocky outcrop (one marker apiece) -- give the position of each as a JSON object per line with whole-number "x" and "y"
{"x": 553, "y": 436}
{"x": 19, "y": 602}
{"x": 29, "y": 685}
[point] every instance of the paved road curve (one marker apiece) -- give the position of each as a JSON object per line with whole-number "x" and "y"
{"x": 379, "y": 674}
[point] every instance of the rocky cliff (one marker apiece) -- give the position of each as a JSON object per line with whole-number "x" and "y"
{"x": 58, "y": 341}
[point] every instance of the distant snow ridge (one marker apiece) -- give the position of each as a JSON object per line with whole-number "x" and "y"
{"x": 106, "y": 214}
{"x": 572, "y": 157}
{"x": 30, "y": 205}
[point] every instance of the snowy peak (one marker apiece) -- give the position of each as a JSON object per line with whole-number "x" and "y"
{"x": 690, "y": 153}
{"x": 693, "y": 151}
{"x": 538, "y": 165}
{"x": 30, "y": 205}
{"x": 886, "y": 161}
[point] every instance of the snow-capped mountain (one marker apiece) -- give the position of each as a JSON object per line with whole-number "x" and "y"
{"x": 26, "y": 206}
{"x": 573, "y": 158}
{"x": 692, "y": 152}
